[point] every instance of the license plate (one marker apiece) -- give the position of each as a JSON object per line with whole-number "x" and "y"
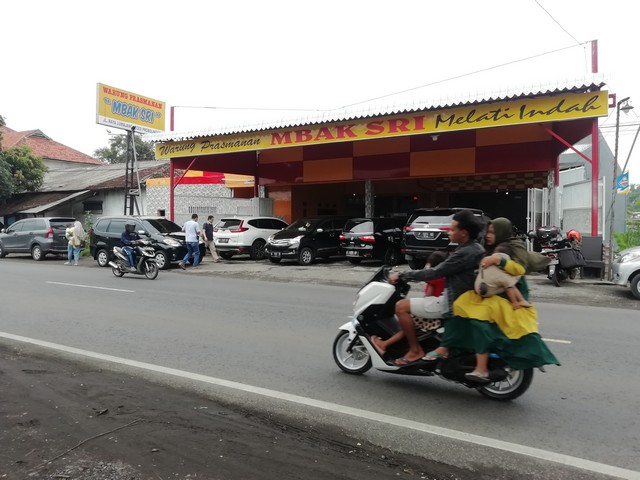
{"x": 275, "y": 254}
{"x": 223, "y": 240}
{"x": 352, "y": 253}
{"x": 428, "y": 235}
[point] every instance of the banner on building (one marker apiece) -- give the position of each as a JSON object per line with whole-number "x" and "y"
{"x": 622, "y": 183}
{"x": 520, "y": 111}
{"x": 121, "y": 109}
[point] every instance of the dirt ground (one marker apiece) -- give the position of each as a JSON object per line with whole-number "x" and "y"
{"x": 60, "y": 420}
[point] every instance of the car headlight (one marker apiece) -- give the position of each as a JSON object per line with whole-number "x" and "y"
{"x": 628, "y": 257}
{"x": 172, "y": 242}
{"x": 270, "y": 238}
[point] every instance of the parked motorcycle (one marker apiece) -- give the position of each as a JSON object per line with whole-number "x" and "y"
{"x": 145, "y": 260}
{"x": 374, "y": 314}
{"x": 565, "y": 253}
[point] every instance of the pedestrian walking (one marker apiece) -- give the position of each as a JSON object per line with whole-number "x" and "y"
{"x": 192, "y": 233}
{"x": 209, "y": 244}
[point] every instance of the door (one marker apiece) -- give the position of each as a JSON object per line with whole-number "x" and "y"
{"x": 537, "y": 210}
{"x": 11, "y": 236}
{"x": 26, "y": 236}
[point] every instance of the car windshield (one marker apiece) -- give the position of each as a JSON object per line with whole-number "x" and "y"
{"x": 162, "y": 225}
{"x": 361, "y": 225}
{"x": 304, "y": 225}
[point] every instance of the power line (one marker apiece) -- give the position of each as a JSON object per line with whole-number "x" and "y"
{"x": 557, "y": 23}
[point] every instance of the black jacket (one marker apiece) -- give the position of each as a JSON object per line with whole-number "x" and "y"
{"x": 459, "y": 270}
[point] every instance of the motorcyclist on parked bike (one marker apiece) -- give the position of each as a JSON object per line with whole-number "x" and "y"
{"x": 126, "y": 239}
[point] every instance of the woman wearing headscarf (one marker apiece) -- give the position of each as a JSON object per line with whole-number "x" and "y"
{"x": 490, "y": 324}
{"x": 77, "y": 239}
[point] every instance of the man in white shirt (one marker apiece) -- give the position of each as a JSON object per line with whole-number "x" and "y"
{"x": 192, "y": 233}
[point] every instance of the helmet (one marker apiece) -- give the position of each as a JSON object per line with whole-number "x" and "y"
{"x": 574, "y": 235}
{"x": 130, "y": 227}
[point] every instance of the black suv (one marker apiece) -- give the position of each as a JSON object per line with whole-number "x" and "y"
{"x": 306, "y": 239}
{"x": 427, "y": 230}
{"x": 37, "y": 236}
{"x": 374, "y": 239}
{"x": 168, "y": 239}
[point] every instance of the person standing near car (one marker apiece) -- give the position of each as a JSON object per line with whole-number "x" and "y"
{"x": 192, "y": 233}
{"x": 209, "y": 244}
{"x": 68, "y": 234}
{"x": 78, "y": 238}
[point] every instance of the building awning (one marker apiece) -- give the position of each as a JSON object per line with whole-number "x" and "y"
{"x": 39, "y": 202}
{"x": 50, "y": 205}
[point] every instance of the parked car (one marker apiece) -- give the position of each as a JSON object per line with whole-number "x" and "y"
{"x": 168, "y": 239}
{"x": 427, "y": 230}
{"x": 374, "y": 239}
{"x": 306, "y": 239}
{"x": 38, "y": 236}
{"x": 245, "y": 235}
{"x": 626, "y": 269}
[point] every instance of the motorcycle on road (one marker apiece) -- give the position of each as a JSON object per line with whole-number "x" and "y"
{"x": 374, "y": 315}
{"x": 145, "y": 260}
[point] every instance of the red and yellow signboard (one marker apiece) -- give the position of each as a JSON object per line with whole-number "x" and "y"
{"x": 566, "y": 106}
{"x": 121, "y": 109}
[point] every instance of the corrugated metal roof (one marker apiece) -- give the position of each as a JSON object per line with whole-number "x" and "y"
{"x": 592, "y": 82}
{"x": 89, "y": 177}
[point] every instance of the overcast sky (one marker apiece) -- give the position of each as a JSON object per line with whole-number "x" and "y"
{"x": 242, "y": 58}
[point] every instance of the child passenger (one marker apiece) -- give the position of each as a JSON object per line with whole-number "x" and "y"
{"x": 432, "y": 288}
{"x": 493, "y": 280}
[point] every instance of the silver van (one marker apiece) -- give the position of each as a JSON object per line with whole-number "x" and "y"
{"x": 38, "y": 236}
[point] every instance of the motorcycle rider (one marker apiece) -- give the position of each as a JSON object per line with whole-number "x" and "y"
{"x": 458, "y": 270}
{"x": 126, "y": 239}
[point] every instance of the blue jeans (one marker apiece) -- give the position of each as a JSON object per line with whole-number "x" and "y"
{"x": 130, "y": 255}
{"x": 70, "y": 252}
{"x": 193, "y": 250}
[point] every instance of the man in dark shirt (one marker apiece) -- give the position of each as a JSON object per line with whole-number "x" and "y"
{"x": 209, "y": 244}
{"x": 458, "y": 270}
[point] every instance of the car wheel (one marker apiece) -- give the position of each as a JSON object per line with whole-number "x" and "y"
{"x": 225, "y": 255}
{"x": 102, "y": 257}
{"x": 275, "y": 260}
{"x": 257, "y": 250}
{"x": 3, "y": 252}
{"x": 162, "y": 261}
{"x": 36, "y": 253}
{"x": 635, "y": 286}
{"x": 392, "y": 257}
{"x": 306, "y": 256}
{"x": 354, "y": 261}
{"x": 417, "y": 264}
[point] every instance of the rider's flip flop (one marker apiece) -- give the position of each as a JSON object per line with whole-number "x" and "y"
{"x": 404, "y": 362}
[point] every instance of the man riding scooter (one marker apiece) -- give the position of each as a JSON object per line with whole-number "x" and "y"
{"x": 128, "y": 236}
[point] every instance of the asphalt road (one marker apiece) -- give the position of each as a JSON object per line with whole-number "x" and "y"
{"x": 278, "y": 336}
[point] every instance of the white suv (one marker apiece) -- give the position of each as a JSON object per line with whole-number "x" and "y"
{"x": 245, "y": 235}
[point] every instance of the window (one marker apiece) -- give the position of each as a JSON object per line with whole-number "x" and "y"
{"x": 34, "y": 224}
{"x": 116, "y": 226}
{"x": 93, "y": 206}
{"x": 16, "y": 227}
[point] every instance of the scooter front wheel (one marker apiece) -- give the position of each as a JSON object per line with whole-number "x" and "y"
{"x": 117, "y": 272}
{"x": 357, "y": 361}
{"x": 150, "y": 269}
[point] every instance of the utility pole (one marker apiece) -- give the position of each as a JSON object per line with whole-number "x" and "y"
{"x": 132, "y": 176}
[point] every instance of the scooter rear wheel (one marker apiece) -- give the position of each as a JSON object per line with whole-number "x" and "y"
{"x": 117, "y": 272}
{"x": 516, "y": 383}
{"x": 356, "y": 362}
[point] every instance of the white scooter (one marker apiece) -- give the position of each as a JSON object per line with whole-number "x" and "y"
{"x": 374, "y": 314}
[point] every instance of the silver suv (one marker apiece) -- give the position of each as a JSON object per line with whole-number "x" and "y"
{"x": 245, "y": 235}
{"x": 38, "y": 236}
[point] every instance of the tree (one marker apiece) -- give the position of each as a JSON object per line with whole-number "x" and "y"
{"x": 20, "y": 171}
{"x": 116, "y": 152}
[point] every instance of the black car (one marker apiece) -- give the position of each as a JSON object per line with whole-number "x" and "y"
{"x": 306, "y": 239}
{"x": 373, "y": 239}
{"x": 38, "y": 236}
{"x": 168, "y": 239}
{"x": 427, "y": 230}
